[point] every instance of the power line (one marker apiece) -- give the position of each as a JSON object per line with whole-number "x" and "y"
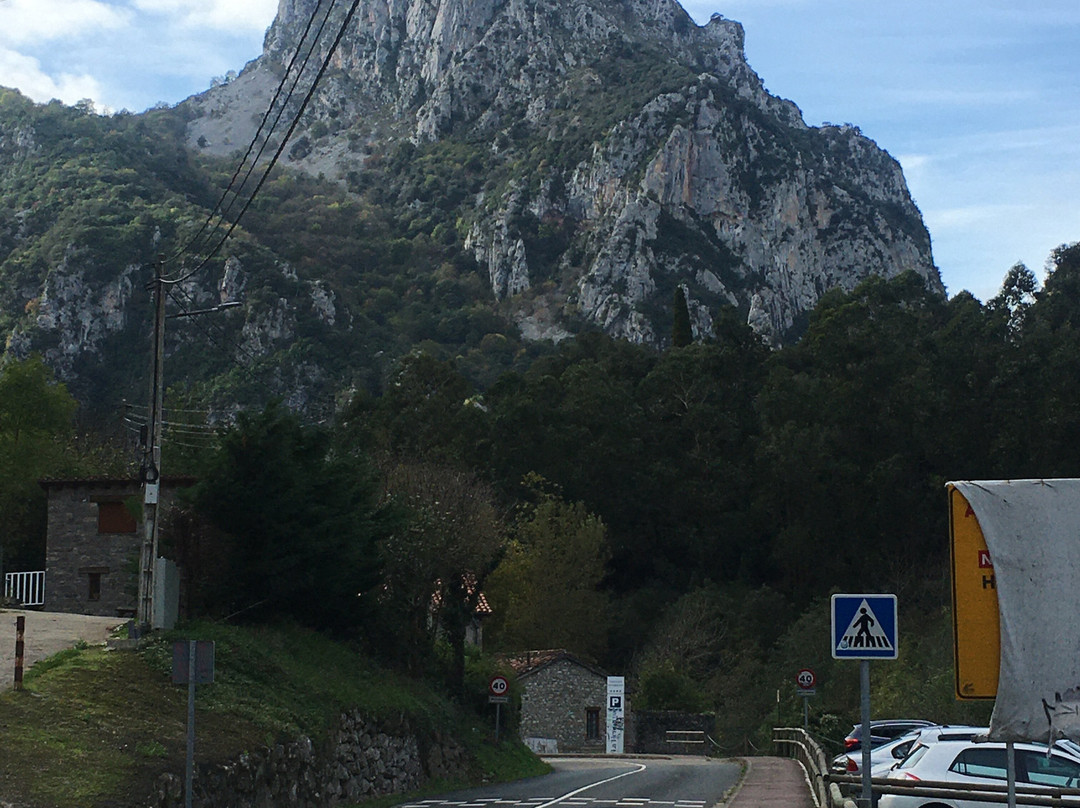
{"x": 262, "y": 124}
{"x": 273, "y": 161}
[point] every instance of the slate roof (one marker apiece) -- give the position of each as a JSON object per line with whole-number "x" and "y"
{"x": 527, "y": 663}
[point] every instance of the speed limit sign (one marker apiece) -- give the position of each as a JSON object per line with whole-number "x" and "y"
{"x": 498, "y": 686}
{"x": 805, "y": 679}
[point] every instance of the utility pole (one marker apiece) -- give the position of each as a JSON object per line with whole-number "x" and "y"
{"x": 151, "y": 461}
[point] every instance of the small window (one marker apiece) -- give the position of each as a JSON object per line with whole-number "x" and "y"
{"x": 592, "y": 724}
{"x": 114, "y": 517}
{"x": 976, "y": 762}
{"x": 1048, "y": 771}
{"x": 913, "y": 756}
{"x": 94, "y": 579}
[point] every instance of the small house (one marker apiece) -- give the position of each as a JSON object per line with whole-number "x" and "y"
{"x": 563, "y": 701}
{"x": 92, "y": 544}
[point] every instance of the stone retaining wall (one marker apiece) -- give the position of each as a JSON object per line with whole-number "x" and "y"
{"x": 357, "y": 762}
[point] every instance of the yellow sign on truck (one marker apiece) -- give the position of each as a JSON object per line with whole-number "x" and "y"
{"x": 976, "y": 628}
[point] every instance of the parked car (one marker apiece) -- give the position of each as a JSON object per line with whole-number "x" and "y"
{"x": 882, "y": 757}
{"x": 883, "y": 731}
{"x": 946, "y": 755}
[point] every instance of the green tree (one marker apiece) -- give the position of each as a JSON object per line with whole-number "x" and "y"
{"x": 36, "y": 440}
{"x": 682, "y": 652}
{"x": 435, "y": 565}
{"x": 682, "y": 333}
{"x": 428, "y": 411}
{"x": 300, "y": 518}
{"x": 547, "y": 592}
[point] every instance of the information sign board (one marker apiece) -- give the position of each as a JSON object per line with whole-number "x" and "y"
{"x": 976, "y": 622}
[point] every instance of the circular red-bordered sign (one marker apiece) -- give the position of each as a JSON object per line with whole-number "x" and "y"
{"x": 498, "y": 686}
{"x": 805, "y": 679}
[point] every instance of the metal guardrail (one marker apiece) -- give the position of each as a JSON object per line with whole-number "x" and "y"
{"x": 795, "y": 742}
{"x": 27, "y": 588}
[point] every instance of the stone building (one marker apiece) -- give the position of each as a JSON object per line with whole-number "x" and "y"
{"x": 92, "y": 544}
{"x": 563, "y": 701}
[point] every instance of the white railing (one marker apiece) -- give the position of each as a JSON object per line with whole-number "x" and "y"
{"x": 27, "y": 588}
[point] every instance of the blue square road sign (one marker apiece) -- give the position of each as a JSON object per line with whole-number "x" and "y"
{"x": 864, "y": 627}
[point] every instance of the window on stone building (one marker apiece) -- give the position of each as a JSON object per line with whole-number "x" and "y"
{"x": 94, "y": 579}
{"x": 114, "y": 517}
{"x": 592, "y": 724}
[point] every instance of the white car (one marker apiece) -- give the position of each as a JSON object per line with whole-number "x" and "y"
{"x": 948, "y": 756}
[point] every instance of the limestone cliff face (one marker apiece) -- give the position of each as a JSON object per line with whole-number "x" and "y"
{"x": 669, "y": 164}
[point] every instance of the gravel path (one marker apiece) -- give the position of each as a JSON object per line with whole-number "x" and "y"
{"x": 46, "y": 634}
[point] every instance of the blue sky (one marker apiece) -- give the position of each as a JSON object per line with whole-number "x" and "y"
{"x": 979, "y": 100}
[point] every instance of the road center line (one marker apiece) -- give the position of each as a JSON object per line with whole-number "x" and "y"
{"x": 577, "y": 791}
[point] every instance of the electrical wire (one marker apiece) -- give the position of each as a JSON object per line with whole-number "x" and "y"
{"x": 277, "y": 154}
{"x": 262, "y": 124}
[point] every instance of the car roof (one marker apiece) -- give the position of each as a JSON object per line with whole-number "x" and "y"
{"x": 945, "y": 744}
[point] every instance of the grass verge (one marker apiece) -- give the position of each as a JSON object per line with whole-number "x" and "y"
{"x": 94, "y": 727}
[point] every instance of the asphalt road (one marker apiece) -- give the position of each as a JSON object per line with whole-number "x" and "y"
{"x": 47, "y": 633}
{"x": 653, "y": 782}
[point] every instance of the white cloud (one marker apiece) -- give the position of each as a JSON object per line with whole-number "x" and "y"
{"x": 227, "y": 15}
{"x": 25, "y": 73}
{"x": 25, "y": 22}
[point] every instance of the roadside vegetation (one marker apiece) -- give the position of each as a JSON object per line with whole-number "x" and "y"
{"x": 97, "y": 727}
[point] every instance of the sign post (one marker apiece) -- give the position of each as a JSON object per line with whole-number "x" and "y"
{"x": 806, "y": 680}
{"x": 864, "y": 628}
{"x": 498, "y": 690}
{"x": 193, "y": 663}
{"x": 616, "y": 695}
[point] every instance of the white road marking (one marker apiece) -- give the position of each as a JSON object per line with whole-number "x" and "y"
{"x": 577, "y": 791}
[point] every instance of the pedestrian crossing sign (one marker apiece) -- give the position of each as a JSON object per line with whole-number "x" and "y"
{"x": 864, "y": 626}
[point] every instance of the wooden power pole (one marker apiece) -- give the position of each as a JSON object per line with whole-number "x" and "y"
{"x": 151, "y": 462}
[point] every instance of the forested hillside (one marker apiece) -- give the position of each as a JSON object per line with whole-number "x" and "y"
{"x": 680, "y": 516}
{"x": 421, "y": 398}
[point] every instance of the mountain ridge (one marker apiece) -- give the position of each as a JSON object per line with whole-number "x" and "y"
{"x": 701, "y": 141}
{"x": 473, "y": 178}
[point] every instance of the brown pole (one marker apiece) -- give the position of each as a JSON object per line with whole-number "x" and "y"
{"x": 20, "y": 629}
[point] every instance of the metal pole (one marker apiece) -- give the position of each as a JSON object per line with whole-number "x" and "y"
{"x": 864, "y": 686}
{"x": 189, "y": 767}
{"x": 1010, "y": 773}
{"x": 20, "y": 629}
{"x": 806, "y": 713}
{"x": 498, "y": 708}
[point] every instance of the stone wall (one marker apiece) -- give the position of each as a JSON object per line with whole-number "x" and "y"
{"x": 75, "y": 550}
{"x": 357, "y": 762}
{"x": 555, "y": 703}
{"x": 652, "y": 727}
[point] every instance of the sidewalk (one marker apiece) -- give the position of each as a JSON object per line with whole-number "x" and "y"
{"x": 772, "y": 782}
{"x": 47, "y": 633}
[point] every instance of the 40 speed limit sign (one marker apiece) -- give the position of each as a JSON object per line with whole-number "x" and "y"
{"x": 805, "y": 679}
{"x": 498, "y": 686}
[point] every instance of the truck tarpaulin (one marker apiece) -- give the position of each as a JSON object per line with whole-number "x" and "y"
{"x": 1032, "y": 530}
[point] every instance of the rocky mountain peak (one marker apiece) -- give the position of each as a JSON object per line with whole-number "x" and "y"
{"x": 628, "y": 149}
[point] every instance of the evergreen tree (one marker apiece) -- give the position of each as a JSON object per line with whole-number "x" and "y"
{"x": 682, "y": 333}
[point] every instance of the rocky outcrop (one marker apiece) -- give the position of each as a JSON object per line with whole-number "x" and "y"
{"x": 357, "y": 762}
{"x": 701, "y": 179}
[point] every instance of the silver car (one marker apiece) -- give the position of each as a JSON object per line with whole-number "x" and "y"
{"x": 882, "y": 757}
